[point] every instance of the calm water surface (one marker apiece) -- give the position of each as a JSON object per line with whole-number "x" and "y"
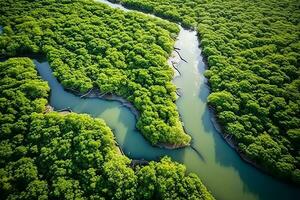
{"x": 219, "y": 166}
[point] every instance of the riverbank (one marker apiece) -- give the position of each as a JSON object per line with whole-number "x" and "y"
{"x": 64, "y": 111}
{"x": 172, "y": 146}
{"x": 229, "y": 139}
{"x": 173, "y": 62}
{"x": 220, "y": 129}
{"x": 96, "y": 93}
{"x": 134, "y": 162}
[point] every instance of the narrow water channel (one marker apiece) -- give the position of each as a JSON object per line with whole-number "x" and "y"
{"x": 219, "y": 166}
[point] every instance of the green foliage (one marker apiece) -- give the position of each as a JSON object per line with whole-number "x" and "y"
{"x": 90, "y": 45}
{"x": 167, "y": 180}
{"x": 252, "y": 49}
{"x": 21, "y": 93}
{"x": 70, "y": 156}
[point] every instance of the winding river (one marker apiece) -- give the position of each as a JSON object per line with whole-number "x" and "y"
{"x": 218, "y": 165}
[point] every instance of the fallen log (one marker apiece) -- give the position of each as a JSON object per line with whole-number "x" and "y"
{"x": 103, "y": 94}
{"x": 86, "y": 93}
{"x": 178, "y": 92}
{"x": 68, "y": 109}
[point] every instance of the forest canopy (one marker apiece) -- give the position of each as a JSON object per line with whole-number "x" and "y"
{"x": 51, "y": 155}
{"x": 252, "y": 49}
{"x": 90, "y": 45}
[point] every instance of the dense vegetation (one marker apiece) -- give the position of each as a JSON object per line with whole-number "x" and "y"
{"x": 21, "y": 93}
{"x": 71, "y": 156}
{"x": 90, "y": 45}
{"x": 253, "y": 50}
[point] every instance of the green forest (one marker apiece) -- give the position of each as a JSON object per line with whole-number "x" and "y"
{"x": 90, "y": 45}
{"x": 51, "y": 155}
{"x": 252, "y": 50}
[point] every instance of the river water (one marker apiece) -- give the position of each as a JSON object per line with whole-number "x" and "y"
{"x": 219, "y": 166}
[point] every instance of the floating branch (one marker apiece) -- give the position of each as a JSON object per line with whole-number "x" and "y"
{"x": 180, "y": 55}
{"x": 175, "y": 67}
